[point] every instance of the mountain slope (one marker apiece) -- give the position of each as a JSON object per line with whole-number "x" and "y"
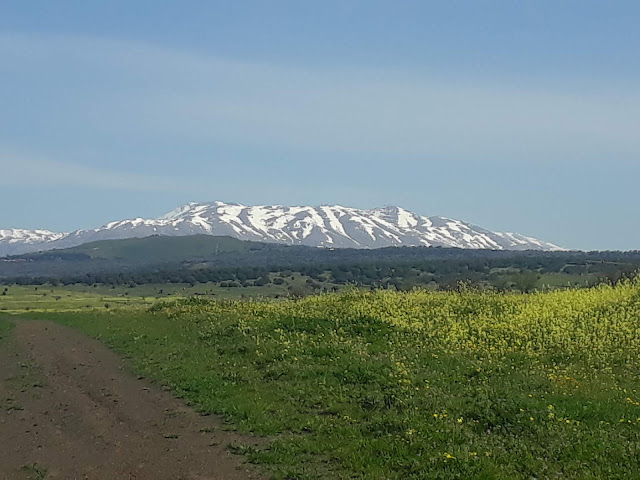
{"x": 324, "y": 226}
{"x": 156, "y": 249}
{"x": 14, "y": 241}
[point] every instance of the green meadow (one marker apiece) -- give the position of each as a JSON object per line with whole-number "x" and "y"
{"x": 391, "y": 385}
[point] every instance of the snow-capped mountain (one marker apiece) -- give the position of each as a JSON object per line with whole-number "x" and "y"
{"x": 324, "y": 226}
{"x": 15, "y": 240}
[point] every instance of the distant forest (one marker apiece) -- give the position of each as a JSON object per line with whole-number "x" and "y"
{"x": 244, "y": 264}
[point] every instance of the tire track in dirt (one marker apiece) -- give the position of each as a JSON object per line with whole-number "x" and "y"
{"x": 69, "y": 410}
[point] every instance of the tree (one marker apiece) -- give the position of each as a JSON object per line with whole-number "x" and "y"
{"x": 526, "y": 282}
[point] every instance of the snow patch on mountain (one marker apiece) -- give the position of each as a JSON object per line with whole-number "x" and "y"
{"x": 14, "y": 241}
{"x": 332, "y": 226}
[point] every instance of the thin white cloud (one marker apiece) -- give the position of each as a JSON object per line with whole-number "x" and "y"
{"x": 126, "y": 89}
{"x": 28, "y": 170}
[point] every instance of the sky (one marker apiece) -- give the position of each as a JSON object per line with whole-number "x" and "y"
{"x": 514, "y": 116}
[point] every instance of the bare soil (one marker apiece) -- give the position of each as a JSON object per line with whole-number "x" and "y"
{"x": 70, "y": 410}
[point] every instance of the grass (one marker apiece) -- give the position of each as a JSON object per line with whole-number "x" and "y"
{"x": 565, "y": 280}
{"x": 5, "y": 327}
{"x": 418, "y": 385}
{"x": 149, "y": 292}
{"x": 21, "y": 299}
{"x": 10, "y": 405}
{"x": 36, "y": 472}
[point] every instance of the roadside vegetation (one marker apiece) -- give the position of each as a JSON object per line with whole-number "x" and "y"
{"x": 395, "y": 385}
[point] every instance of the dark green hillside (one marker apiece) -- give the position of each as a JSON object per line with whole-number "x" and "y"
{"x": 133, "y": 252}
{"x": 157, "y": 248}
{"x": 229, "y": 262}
{"x": 129, "y": 255}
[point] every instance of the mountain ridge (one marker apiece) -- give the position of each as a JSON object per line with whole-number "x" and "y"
{"x": 331, "y": 226}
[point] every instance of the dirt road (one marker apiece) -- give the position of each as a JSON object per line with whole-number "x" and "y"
{"x": 68, "y": 410}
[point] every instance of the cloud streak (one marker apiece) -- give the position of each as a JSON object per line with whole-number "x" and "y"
{"x": 118, "y": 90}
{"x": 29, "y": 170}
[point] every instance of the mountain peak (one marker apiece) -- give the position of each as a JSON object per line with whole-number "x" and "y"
{"x": 333, "y": 226}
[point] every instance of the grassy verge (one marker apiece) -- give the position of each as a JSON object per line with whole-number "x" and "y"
{"x": 412, "y": 385}
{"x": 5, "y": 327}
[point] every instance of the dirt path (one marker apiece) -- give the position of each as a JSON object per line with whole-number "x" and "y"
{"x": 69, "y": 411}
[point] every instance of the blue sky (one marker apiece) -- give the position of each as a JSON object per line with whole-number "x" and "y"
{"x": 516, "y": 116}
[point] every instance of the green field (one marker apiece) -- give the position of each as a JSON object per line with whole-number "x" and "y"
{"x": 22, "y": 298}
{"x": 46, "y": 298}
{"x": 419, "y": 385}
